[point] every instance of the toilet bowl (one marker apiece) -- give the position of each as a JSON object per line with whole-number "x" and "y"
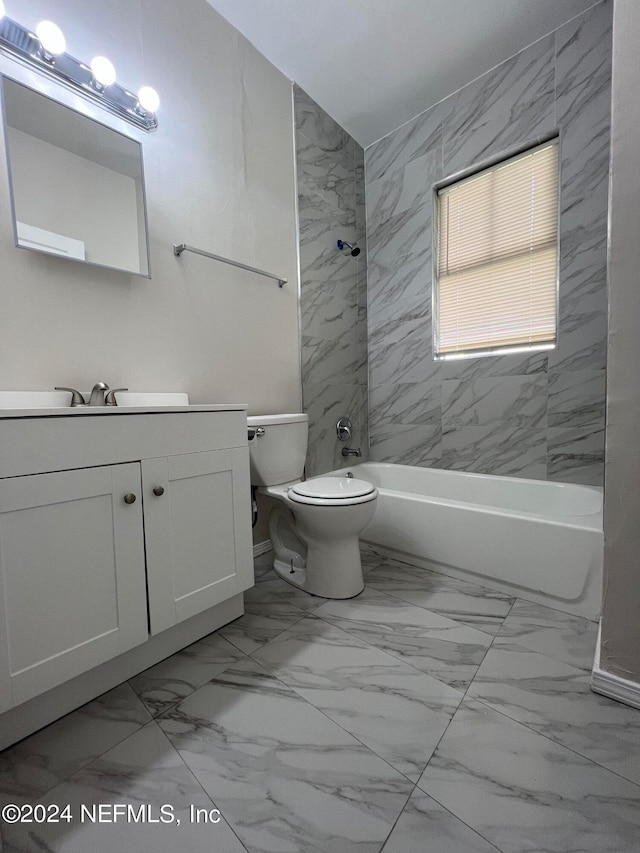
{"x": 315, "y": 530}
{"x": 327, "y": 514}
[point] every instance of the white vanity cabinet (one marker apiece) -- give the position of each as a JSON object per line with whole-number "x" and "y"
{"x": 192, "y": 532}
{"x": 72, "y": 573}
{"x": 114, "y": 528}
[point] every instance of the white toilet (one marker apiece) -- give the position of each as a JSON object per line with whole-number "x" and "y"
{"x": 315, "y": 533}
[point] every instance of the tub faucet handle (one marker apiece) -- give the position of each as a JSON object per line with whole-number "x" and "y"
{"x": 344, "y": 428}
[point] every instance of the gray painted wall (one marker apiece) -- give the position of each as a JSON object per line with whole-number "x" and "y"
{"x": 219, "y": 176}
{"x": 620, "y": 651}
{"x": 540, "y": 415}
{"x": 333, "y": 284}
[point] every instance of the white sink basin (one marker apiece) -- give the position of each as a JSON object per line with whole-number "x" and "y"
{"x": 34, "y": 399}
{"x": 151, "y": 398}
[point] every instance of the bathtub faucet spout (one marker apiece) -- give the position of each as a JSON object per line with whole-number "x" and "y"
{"x": 351, "y": 451}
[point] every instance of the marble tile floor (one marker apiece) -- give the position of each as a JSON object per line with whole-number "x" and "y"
{"x": 426, "y": 714}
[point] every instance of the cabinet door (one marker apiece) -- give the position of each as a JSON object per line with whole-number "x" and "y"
{"x": 72, "y": 576}
{"x": 197, "y": 532}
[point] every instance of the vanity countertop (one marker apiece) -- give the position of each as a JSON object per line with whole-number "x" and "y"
{"x": 84, "y": 411}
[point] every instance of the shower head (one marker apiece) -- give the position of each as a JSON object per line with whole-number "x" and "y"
{"x": 342, "y": 244}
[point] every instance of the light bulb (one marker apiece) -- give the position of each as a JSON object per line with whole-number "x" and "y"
{"x": 103, "y": 70}
{"x": 51, "y": 37}
{"x": 148, "y": 99}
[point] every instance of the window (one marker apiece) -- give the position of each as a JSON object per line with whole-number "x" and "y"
{"x": 497, "y": 258}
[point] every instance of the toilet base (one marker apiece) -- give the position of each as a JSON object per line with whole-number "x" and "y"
{"x": 333, "y": 575}
{"x": 317, "y": 546}
{"x": 297, "y": 576}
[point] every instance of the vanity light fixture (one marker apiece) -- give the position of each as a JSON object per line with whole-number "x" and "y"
{"x": 45, "y": 50}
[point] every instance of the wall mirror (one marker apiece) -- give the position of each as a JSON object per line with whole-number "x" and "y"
{"x": 77, "y": 186}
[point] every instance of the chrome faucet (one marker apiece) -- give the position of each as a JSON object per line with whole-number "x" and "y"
{"x": 351, "y": 451}
{"x": 97, "y": 394}
{"x": 101, "y": 395}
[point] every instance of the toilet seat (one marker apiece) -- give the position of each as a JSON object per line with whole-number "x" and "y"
{"x": 332, "y": 491}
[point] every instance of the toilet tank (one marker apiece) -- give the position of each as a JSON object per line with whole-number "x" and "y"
{"x": 278, "y": 456}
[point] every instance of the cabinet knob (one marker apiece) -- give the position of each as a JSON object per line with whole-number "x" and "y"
{"x": 158, "y": 491}
{"x": 130, "y": 498}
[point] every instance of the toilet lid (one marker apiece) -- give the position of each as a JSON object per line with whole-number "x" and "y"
{"x": 333, "y": 488}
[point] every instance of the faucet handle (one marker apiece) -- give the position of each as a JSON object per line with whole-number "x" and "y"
{"x": 110, "y": 396}
{"x": 76, "y": 397}
{"x": 344, "y": 428}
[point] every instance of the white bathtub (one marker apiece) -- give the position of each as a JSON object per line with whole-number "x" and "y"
{"x": 536, "y": 539}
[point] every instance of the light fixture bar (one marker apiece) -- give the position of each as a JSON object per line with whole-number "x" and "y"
{"x": 23, "y": 45}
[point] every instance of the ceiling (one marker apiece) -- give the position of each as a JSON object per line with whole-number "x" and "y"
{"x": 374, "y": 64}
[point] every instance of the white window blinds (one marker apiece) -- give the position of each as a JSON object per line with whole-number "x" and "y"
{"x": 497, "y": 257}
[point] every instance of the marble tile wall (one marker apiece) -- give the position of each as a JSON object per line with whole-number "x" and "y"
{"x": 333, "y": 285}
{"x": 540, "y": 415}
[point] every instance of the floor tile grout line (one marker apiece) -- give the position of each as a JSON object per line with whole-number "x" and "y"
{"x": 465, "y": 624}
{"x": 155, "y": 716}
{"x": 547, "y": 737}
{"x": 394, "y": 597}
{"x": 517, "y": 640}
{"x": 400, "y": 659}
{"x": 335, "y": 723}
{"x": 461, "y": 692}
{"x": 527, "y": 725}
{"x": 373, "y": 646}
{"x": 454, "y": 815}
{"x": 275, "y": 637}
{"x": 66, "y": 778}
{"x": 170, "y": 707}
{"x": 488, "y": 649}
{"x": 448, "y": 810}
{"x": 436, "y": 573}
{"x": 377, "y": 648}
{"x": 436, "y": 747}
{"x": 473, "y": 678}
{"x": 395, "y": 823}
{"x": 179, "y": 701}
{"x": 515, "y": 645}
{"x": 446, "y": 615}
{"x": 458, "y": 818}
{"x": 199, "y": 784}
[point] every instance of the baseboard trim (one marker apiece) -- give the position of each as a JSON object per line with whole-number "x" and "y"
{"x": 613, "y": 686}
{"x": 261, "y": 548}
